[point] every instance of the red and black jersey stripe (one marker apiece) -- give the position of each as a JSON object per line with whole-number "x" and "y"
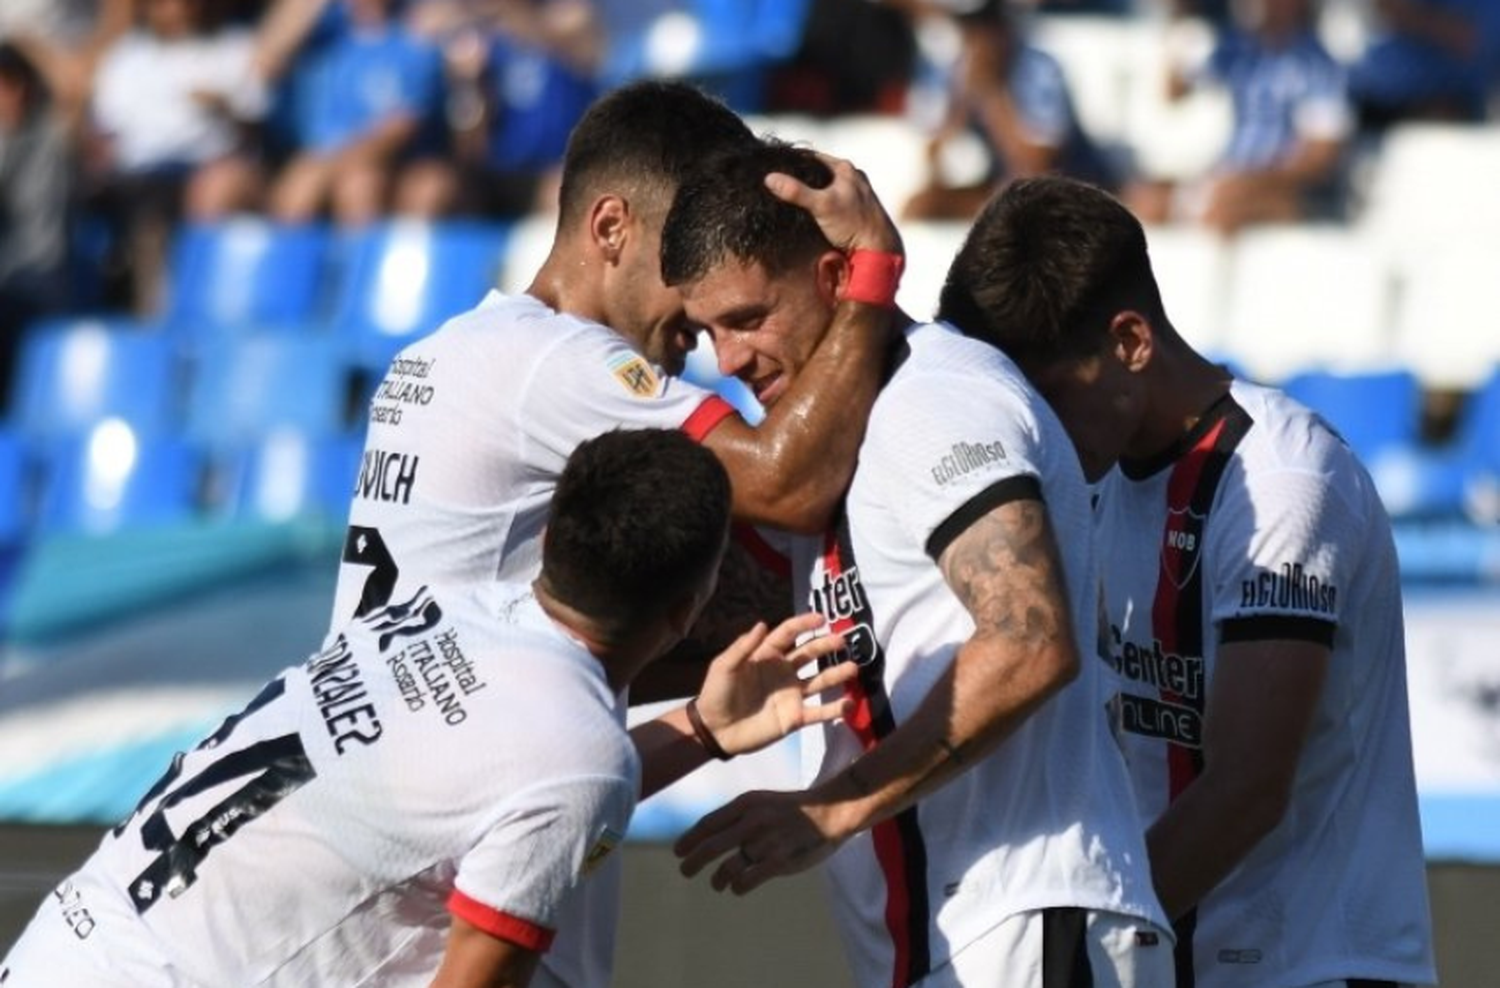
{"x": 899, "y": 846}
{"x": 1178, "y": 619}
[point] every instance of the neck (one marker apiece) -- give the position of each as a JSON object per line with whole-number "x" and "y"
{"x": 619, "y": 656}
{"x": 569, "y": 282}
{"x": 1187, "y": 384}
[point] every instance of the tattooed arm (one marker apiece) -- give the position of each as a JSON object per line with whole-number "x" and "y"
{"x": 1006, "y": 570}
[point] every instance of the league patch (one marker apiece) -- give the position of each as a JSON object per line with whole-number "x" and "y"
{"x": 636, "y": 374}
{"x": 609, "y": 838}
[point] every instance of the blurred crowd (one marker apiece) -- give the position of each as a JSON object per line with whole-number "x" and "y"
{"x": 120, "y": 119}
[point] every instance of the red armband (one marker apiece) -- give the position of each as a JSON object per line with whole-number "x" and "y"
{"x": 874, "y": 276}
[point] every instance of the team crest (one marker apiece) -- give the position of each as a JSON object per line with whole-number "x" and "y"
{"x": 609, "y": 838}
{"x": 636, "y": 374}
{"x": 1181, "y": 544}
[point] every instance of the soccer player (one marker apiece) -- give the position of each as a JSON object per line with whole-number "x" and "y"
{"x": 1253, "y": 610}
{"x": 471, "y": 425}
{"x": 458, "y": 758}
{"x": 974, "y": 809}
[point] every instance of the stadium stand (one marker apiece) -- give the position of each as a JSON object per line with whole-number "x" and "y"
{"x": 115, "y": 477}
{"x": 404, "y": 277}
{"x": 1305, "y": 296}
{"x": 242, "y": 274}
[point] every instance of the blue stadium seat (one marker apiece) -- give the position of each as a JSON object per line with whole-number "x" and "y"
{"x": 242, "y": 390}
{"x": 1374, "y": 411}
{"x": 246, "y": 273}
{"x": 75, "y": 374}
{"x": 289, "y": 474}
{"x": 402, "y": 279}
{"x": 117, "y": 477}
{"x": 15, "y": 492}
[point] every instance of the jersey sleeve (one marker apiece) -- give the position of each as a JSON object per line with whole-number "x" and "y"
{"x": 595, "y": 382}
{"x": 956, "y": 451}
{"x": 513, "y": 882}
{"x": 1283, "y": 542}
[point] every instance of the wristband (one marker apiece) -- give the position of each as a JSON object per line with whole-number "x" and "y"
{"x": 703, "y": 734}
{"x": 874, "y": 276}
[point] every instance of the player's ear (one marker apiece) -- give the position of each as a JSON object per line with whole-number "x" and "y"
{"x": 1132, "y": 341}
{"x": 608, "y": 220}
{"x": 832, "y": 268}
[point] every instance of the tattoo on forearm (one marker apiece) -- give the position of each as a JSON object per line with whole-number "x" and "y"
{"x": 1005, "y": 570}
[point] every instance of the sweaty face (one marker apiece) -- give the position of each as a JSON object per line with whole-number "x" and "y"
{"x": 646, "y": 310}
{"x": 1093, "y": 399}
{"x": 764, "y": 328}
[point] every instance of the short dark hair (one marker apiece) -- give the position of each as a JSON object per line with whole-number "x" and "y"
{"x": 636, "y": 524}
{"x": 725, "y": 211}
{"x": 644, "y": 138}
{"x": 1045, "y": 267}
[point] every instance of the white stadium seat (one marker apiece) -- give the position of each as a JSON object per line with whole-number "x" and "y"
{"x": 1448, "y": 314}
{"x": 930, "y": 248}
{"x": 1191, "y": 264}
{"x": 1306, "y": 297}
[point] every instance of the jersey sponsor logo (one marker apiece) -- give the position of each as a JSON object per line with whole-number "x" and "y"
{"x": 636, "y": 374}
{"x": 965, "y": 458}
{"x": 386, "y": 477}
{"x": 1289, "y": 588}
{"x": 1150, "y": 665}
{"x": 1181, "y": 540}
{"x": 608, "y": 839}
{"x": 1146, "y": 717}
{"x": 404, "y": 385}
{"x": 1177, "y": 716}
{"x": 435, "y": 671}
{"x": 74, "y": 913}
{"x": 842, "y": 598}
{"x": 342, "y": 697}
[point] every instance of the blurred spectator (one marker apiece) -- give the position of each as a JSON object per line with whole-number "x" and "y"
{"x": 1291, "y": 124}
{"x": 35, "y": 178}
{"x": 1432, "y": 60}
{"x": 63, "y": 39}
{"x": 519, "y": 75}
{"x": 1016, "y": 98}
{"x": 366, "y": 97}
{"x": 171, "y": 102}
{"x": 856, "y": 56}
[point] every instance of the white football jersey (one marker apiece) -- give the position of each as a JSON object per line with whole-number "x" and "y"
{"x": 1261, "y": 525}
{"x": 468, "y": 433}
{"x": 1046, "y": 819}
{"x": 454, "y": 753}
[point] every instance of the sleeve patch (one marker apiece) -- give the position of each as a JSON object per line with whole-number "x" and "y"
{"x": 514, "y": 929}
{"x": 609, "y": 838}
{"x": 632, "y": 371}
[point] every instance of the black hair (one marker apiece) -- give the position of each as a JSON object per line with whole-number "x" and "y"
{"x": 1046, "y": 266}
{"x": 644, "y": 139}
{"x": 638, "y": 522}
{"x": 725, "y": 211}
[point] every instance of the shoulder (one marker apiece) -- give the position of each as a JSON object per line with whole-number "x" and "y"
{"x": 1289, "y": 447}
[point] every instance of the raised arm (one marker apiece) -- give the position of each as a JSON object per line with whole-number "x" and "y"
{"x": 1005, "y": 569}
{"x": 752, "y": 697}
{"x": 790, "y": 471}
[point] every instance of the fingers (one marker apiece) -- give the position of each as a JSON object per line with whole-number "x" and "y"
{"x": 710, "y": 838}
{"x": 742, "y": 647}
{"x": 827, "y": 679}
{"x": 783, "y": 639}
